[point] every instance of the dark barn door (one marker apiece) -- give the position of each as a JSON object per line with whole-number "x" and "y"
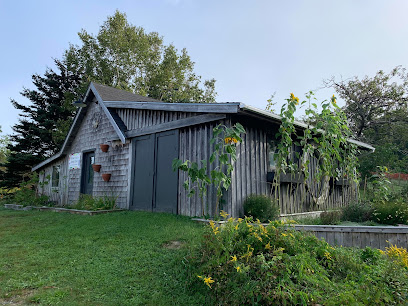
{"x": 154, "y": 182}
{"x": 87, "y": 172}
{"x": 143, "y": 172}
{"x": 165, "y": 195}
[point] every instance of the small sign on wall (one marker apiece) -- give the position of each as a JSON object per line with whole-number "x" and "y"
{"x": 74, "y": 161}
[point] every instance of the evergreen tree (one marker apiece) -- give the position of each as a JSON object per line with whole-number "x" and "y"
{"x": 38, "y": 134}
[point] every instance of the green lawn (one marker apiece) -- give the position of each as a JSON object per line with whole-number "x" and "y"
{"x": 111, "y": 259}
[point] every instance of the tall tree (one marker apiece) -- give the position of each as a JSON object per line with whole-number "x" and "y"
{"x": 37, "y": 135}
{"x": 377, "y": 108}
{"x": 125, "y": 56}
{"x": 4, "y": 152}
{"x": 122, "y": 56}
{"x": 372, "y": 101}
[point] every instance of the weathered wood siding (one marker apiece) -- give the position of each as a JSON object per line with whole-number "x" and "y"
{"x": 250, "y": 169}
{"x": 115, "y": 161}
{"x": 359, "y": 236}
{"x": 194, "y": 145}
{"x": 250, "y": 176}
{"x": 135, "y": 119}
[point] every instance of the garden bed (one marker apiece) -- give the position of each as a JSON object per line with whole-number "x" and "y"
{"x": 60, "y": 209}
{"x": 378, "y": 237}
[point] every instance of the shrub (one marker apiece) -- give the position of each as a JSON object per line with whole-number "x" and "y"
{"x": 357, "y": 212}
{"x": 88, "y": 202}
{"x": 399, "y": 255}
{"x": 391, "y": 212}
{"x": 27, "y": 193}
{"x": 330, "y": 217}
{"x": 261, "y": 207}
{"x": 242, "y": 262}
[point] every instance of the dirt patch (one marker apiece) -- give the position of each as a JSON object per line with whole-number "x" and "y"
{"x": 173, "y": 245}
{"x": 16, "y": 298}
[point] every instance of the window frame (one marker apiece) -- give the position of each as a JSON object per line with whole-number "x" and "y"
{"x": 57, "y": 178}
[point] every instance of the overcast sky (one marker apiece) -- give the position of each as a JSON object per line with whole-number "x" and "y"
{"x": 252, "y": 48}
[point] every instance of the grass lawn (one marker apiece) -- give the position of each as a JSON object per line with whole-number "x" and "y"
{"x": 111, "y": 259}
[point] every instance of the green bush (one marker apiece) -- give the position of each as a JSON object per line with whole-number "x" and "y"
{"x": 391, "y": 212}
{"x": 330, "y": 217}
{"x": 88, "y": 202}
{"x": 357, "y": 212}
{"x": 261, "y": 207}
{"x": 242, "y": 263}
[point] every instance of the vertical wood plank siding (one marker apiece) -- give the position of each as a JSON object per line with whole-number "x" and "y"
{"x": 249, "y": 175}
{"x": 136, "y": 118}
{"x": 195, "y": 146}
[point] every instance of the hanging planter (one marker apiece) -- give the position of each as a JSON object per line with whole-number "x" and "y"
{"x": 106, "y": 177}
{"x": 96, "y": 167}
{"x": 104, "y": 147}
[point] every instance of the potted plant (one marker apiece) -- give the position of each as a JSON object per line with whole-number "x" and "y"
{"x": 104, "y": 147}
{"x": 106, "y": 177}
{"x": 96, "y": 167}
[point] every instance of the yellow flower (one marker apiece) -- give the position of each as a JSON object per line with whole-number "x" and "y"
{"x": 292, "y": 96}
{"x": 236, "y": 227}
{"x": 214, "y": 227}
{"x": 234, "y": 258}
{"x": 284, "y": 235}
{"x": 238, "y": 269}
{"x": 229, "y": 140}
{"x": 224, "y": 214}
{"x": 208, "y": 281}
{"x": 240, "y": 220}
{"x": 199, "y": 276}
{"x": 268, "y": 246}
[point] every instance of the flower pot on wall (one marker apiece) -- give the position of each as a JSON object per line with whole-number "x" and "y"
{"x": 106, "y": 177}
{"x": 96, "y": 167}
{"x": 104, "y": 147}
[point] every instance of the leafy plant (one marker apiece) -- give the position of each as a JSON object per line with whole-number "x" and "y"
{"x": 357, "y": 212}
{"x": 325, "y": 138}
{"x": 380, "y": 185}
{"x": 399, "y": 255}
{"x": 330, "y": 217}
{"x": 27, "y": 194}
{"x": 391, "y": 212}
{"x": 88, "y": 202}
{"x": 224, "y": 140}
{"x": 243, "y": 262}
{"x": 261, "y": 207}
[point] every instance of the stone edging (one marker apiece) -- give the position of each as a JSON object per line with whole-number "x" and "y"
{"x": 59, "y": 209}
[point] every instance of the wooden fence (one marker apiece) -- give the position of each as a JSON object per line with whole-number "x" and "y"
{"x": 359, "y": 236}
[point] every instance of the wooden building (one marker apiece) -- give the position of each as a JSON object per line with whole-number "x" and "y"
{"x": 144, "y": 136}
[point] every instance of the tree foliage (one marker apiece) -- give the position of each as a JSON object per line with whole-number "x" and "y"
{"x": 127, "y": 57}
{"x": 377, "y": 109}
{"x": 120, "y": 55}
{"x": 39, "y": 132}
{"x": 374, "y": 102}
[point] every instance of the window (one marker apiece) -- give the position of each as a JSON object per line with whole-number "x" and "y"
{"x": 55, "y": 176}
{"x": 272, "y": 150}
